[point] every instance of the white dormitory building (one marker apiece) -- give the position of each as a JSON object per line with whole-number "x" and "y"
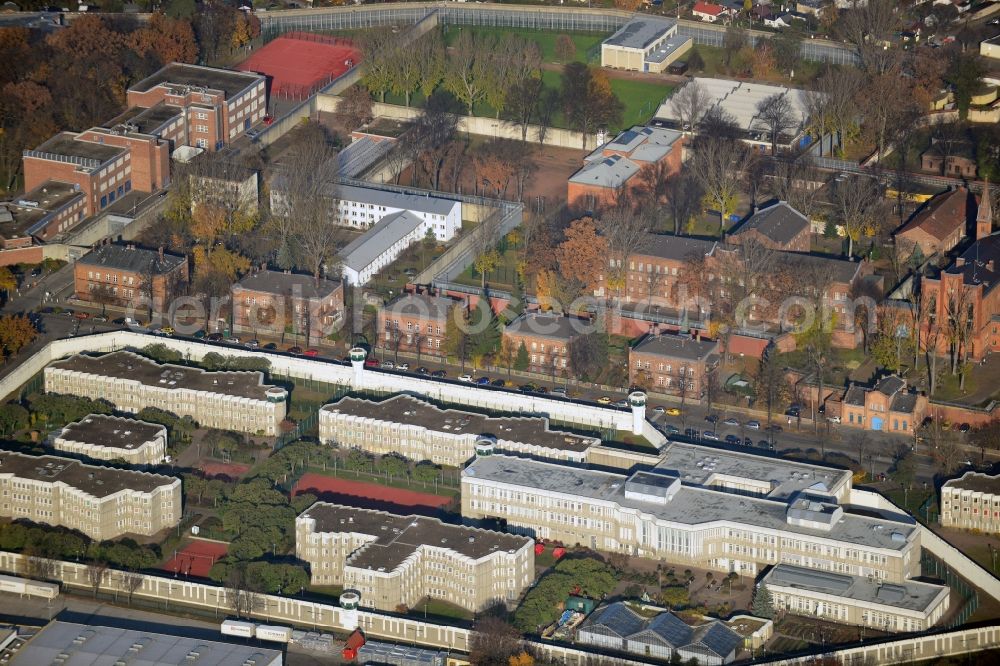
{"x": 739, "y": 99}
{"x": 102, "y": 502}
{"x": 230, "y": 400}
{"x": 102, "y": 437}
{"x": 720, "y": 510}
{"x": 394, "y": 561}
{"x": 364, "y": 207}
{"x": 972, "y": 502}
{"x": 419, "y": 430}
{"x": 905, "y": 606}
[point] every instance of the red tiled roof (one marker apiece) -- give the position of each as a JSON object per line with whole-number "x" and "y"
{"x": 941, "y": 216}
{"x": 708, "y": 8}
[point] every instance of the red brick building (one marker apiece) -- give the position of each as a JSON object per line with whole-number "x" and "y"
{"x": 939, "y": 225}
{"x": 546, "y": 337}
{"x": 276, "y": 303}
{"x": 416, "y": 323}
{"x": 888, "y": 406}
{"x": 673, "y": 364}
{"x": 126, "y": 274}
{"x": 968, "y": 288}
{"x": 779, "y": 227}
{"x": 960, "y": 163}
{"x": 652, "y": 272}
{"x": 46, "y": 211}
{"x": 616, "y": 166}
{"x": 210, "y": 107}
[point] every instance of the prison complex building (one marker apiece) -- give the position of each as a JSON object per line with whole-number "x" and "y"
{"x": 420, "y": 430}
{"x": 394, "y": 561}
{"x": 971, "y": 502}
{"x": 103, "y": 437}
{"x": 230, "y": 400}
{"x": 102, "y": 502}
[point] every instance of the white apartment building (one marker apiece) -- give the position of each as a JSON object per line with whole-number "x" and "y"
{"x": 419, "y": 430}
{"x": 971, "y": 502}
{"x": 103, "y": 437}
{"x": 229, "y": 400}
{"x": 905, "y": 606}
{"x": 364, "y": 207}
{"x": 102, "y": 502}
{"x": 689, "y": 514}
{"x": 394, "y": 561}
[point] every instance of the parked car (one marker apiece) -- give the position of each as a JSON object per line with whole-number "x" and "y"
{"x": 732, "y": 439}
{"x": 774, "y": 427}
{"x": 67, "y": 313}
{"x": 793, "y": 412}
{"x": 388, "y": 365}
{"x": 499, "y": 382}
{"x": 621, "y": 404}
{"x": 312, "y": 353}
{"x": 747, "y": 441}
{"x": 403, "y": 366}
{"x": 295, "y": 351}
{"x": 270, "y": 346}
{"x": 439, "y": 374}
{"x": 465, "y": 378}
{"x": 482, "y": 381}
{"x": 708, "y": 434}
{"x": 753, "y": 425}
{"x": 252, "y": 344}
{"x": 833, "y": 419}
{"x": 199, "y": 334}
{"x": 541, "y": 390}
{"x": 100, "y": 318}
{"x": 422, "y": 371}
{"x": 604, "y": 400}
{"x": 671, "y": 429}
{"x": 674, "y": 411}
{"x": 82, "y": 315}
{"x": 372, "y": 363}
{"x": 560, "y": 391}
{"x": 214, "y": 337}
{"x": 232, "y": 341}
{"x": 692, "y": 433}
{"x": 712, "y": 418}
{"x": 731, "y": 422}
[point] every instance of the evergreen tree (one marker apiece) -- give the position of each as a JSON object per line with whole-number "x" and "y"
{"x": 521, "y": 362}
{"x": 763, "y": 605}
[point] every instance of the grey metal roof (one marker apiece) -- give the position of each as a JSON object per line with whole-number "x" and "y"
{"x": 890, "y": 385}
{"x": 132, "y": 259}
{"x": 677, "y": 346}
{"x": 780, "y": 223}
{"x": 908, "y": 595}
{"x": 904, "y": 403}
{"x": 617, "y": 618}
{"x": 106, "y": 646}
{"x": 420, "y": 203}
{"x": 612, "y": 171}
{"x": 388, "y": 231}
{"x": 360, "y": 155}
{"x": 550, "y": 325}
{"x": 717, "y": 638}
{"x": 639, "y": 33}
{"x": 840, "y": 270}
{"x": 690, "y": 506}
{"x": 422, "y": 305}
{"x": 676, "y": 248}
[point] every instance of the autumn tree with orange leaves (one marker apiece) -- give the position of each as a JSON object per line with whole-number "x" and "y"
{"x": 16, "y": 333}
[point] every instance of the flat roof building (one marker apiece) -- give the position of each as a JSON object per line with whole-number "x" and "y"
{"x": 231, "y": 400}
{"x": 660, "y": 515}
{"x": 42, "y": 213}
{"x": 420, "y": 430}
{"x": 972, "y": 502}
{"x": 644, "y": 44}
{"x": 73, "y": 644}
{"x": 903, "y": 606}
{"x": 103, "y": 437}
{"x": 395, "y": 561}
{"x": 102, "y": 502}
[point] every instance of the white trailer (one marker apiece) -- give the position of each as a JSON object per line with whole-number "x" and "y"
{"x": 270, "y": 632}
{"x": 237, "y": 628}
{"x": 31, "y": 588}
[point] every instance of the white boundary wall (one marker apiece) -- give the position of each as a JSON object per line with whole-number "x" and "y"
{"x": 588, "y": 415}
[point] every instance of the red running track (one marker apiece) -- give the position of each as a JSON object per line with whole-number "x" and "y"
{"x": 298, "y": 64}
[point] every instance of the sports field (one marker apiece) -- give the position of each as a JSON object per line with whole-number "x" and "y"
{"x": 196, "y": 558}
{"x": 298, "y": 63}
{"x": 368, "y": 495}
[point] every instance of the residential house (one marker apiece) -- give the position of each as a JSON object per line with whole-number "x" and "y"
{"x": 778, "y": 227}
{"x": 673, "y": 364}
{"x": 887, "y": 406}
{"x": 958, "y": 160}
{"x": 129, "y": 275}
{"x": 416, "y": 323}
{"x": 812, "y": 7}
{"x": 546, "y": 336}
{"x": 708, "y": 12}
{"x": 939, "y": 225}
{"x": 972, "y": 502}
{"x": 279, "y": 302}
{"x": 617, "y": 166}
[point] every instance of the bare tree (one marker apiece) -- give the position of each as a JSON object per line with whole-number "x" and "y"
{"x": 776, "y": 116}
{"x": 683, "y": 192}
{"x": 868, "y": 27}
{"x": 857, "y": 200}
{"x": 242, "y": 592}
{"x": 625, "y": 229}
{"x": 95, "y": 574}
{"x": 131, "y": 581}
{"x": 38, "y": 568}
{"x": 933, "y": 330}
{"x": 689, "y": 104}
{"x": 430, "y": 137}
{"x": 831, "y": 104}
{"x": 522, "y": 103}
{"x": 718, "y": 163}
